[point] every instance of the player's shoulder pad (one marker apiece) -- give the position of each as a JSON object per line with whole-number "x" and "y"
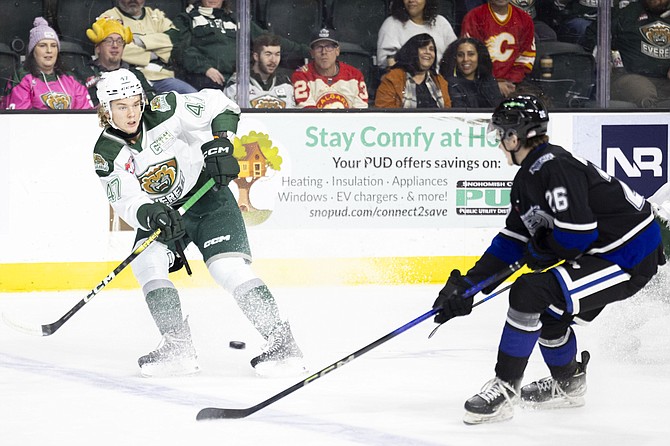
{"x": 163, "y": 103}
{"x": 106, "y": 150}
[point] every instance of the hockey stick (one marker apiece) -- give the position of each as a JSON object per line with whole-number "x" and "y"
{"x": 49, "y": 329}
{"x": 210, "y": 413}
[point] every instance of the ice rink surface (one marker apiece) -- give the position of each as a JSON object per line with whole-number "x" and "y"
{"x": 81, "y": 386}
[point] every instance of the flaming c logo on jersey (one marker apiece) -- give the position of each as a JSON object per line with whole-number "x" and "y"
{"x": 332, "y": 100}
{"x": 160, "y": 178}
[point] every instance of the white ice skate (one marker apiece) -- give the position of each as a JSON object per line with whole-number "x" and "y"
{"x": 174, "y": 356}
{"x": 549, "y": 393}
{"x": 494, "y": 403}
{"x": 281, "y": 356}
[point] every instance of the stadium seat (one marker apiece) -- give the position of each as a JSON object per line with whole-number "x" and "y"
{"x": 170, "y": 7}
{"x": 357, "y": 22}
{"x": 362, "y": 59}
{"x": 9, "y": 62}
{"x": 296, "y": 20}
{"x": 17, "y": 22}
{"x": 447, "y": 8}
{"x": 570, "y": 62}
{"x": 74, "y": 17}
{"x": 73, "y": 57}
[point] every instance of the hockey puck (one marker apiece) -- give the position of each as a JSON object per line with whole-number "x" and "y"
{"x": 238, "y": 345}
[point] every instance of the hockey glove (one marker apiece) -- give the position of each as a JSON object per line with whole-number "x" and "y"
{"x": 538, "y": 253}
{"x": 450, "y": 300}
{"x": 220, "y": 163}
{"x": 163, "y": 217}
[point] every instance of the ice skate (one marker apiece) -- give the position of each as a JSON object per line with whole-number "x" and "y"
{"x": 494, "y": 403}
{"x": 174, "y": 356}
{"x": 281, "y": 356}
{"x": 549, "y": 393}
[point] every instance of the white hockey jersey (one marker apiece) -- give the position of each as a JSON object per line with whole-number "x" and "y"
{"x": 166, "y": 161}
{"x": 277, "y": 92}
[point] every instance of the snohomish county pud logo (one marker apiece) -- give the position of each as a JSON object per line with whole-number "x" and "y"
{"x": 483, "y": 197}
{"x": 158, "y": 179}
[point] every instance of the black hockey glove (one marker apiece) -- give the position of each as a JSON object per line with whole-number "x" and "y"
{"x": 163, "y": 217}
{"x": 450, "y": 300}
{"x": 220, "y": 163}
{"x": 538, "y": 253}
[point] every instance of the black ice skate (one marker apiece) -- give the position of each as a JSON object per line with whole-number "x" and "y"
{"x": 549, "y": 393}
{"x": 281, "y": 355}
{"x": 494, "y": 403}
{"x": 175, "y": 355}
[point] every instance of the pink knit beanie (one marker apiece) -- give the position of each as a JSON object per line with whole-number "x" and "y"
{"x": 41, "y": 31}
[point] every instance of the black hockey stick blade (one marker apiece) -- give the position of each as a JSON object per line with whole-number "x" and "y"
{"x": 49, "y": 329}
{"x": 211, "y": 413}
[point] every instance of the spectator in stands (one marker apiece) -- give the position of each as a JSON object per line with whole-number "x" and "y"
{"x": 508, "y": 33}
{"x": 574, "y": 17}
{"x": 325, "y": 82}
{"x": 409, "y": 18}
{"x": 269, "y": 85}
{"x": 543, "y": 31}
{"x": 468, "y": 69}
{"x": 413, "y": 81}
{"x": 41, "y": 83}
{"x": 207, "y": 50}
{"x": 151, "y": 48}
{"x": 640, "y": 34}
{"x": 110, "y": 37}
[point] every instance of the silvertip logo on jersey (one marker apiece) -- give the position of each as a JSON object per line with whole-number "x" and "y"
{"x": 159, "y": 178}
{"x": 658, "y": 36}
{"x": 100, "y": 163}
{"x": 636, "y": 155}
{"x": 483, "y": 197}
{"x": 267, "y": 101}
{"x": 159, "y": 103}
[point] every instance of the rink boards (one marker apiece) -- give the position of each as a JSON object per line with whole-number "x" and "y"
{"x": 329, "y": 198}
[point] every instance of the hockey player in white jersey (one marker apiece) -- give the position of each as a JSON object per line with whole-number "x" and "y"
{"x": 150, "y": 159}
{"x": 562, "y": 208}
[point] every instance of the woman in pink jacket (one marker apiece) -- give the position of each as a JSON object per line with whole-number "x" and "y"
{"x": 43, "y": 84}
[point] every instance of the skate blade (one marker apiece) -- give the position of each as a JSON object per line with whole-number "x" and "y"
{"x": 503, "y": 414}
{"x": 172, "y": 368}
{"x": 281, "y": 369}
{"x": 555, "y": 403}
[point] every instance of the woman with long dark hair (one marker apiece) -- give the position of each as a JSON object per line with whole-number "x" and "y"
{"x": 468, "y": 69}
{"x": 413, "y": 82}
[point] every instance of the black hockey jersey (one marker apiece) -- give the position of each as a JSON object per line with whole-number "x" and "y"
{"x": 587, "y": 210}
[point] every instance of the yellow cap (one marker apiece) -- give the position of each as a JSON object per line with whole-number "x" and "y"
{"x": 105, "y": 26}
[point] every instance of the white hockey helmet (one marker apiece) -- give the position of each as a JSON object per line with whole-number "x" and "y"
{"x": 118, "y": 84}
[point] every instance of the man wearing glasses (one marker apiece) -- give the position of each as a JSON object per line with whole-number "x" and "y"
{"x": 110, "y": 38}
{"x": 326, "y": 83}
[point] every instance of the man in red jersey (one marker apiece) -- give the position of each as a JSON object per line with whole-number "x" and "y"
{"x": 508, "y": 33}
{"x": 326, "y": 83}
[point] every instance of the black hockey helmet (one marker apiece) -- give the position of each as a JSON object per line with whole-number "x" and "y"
{"x": 523, "y": 115}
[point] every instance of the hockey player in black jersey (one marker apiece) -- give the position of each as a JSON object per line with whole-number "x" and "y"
{"x": 563, "y": 208}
